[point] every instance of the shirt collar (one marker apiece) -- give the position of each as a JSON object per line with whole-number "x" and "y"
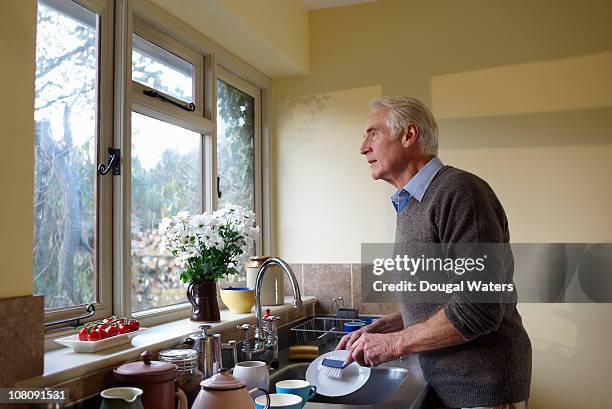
{"x": 418, "y": 184}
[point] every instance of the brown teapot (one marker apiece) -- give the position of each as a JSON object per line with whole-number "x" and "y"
{"x": 157, "y": 379}
{"x": 223, "y": 391}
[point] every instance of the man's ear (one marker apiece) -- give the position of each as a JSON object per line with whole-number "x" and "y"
{"x": 410, "y": 135}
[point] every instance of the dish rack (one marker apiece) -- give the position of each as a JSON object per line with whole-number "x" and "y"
{"x": 322, "y": 331}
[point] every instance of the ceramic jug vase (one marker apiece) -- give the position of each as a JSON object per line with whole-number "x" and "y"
{"x": 223, "y": 391}
{"x": 121, "y": 398}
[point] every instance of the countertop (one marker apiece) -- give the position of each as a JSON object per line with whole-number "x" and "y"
{"x": 64, "y": 364}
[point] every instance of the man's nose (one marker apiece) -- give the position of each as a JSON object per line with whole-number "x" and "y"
{"x": 365, "y": 147}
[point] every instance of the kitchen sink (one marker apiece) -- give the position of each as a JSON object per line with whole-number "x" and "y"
{"x": 383, "y": 384}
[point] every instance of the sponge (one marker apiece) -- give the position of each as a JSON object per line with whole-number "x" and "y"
{"x": 303, "y": 352}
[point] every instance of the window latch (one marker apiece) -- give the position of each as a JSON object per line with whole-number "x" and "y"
{"x": 190, "y": 107}
{"x": 91, "y": 310}
{"x": 114, "y": 162}
{"x": 218, "y": 187}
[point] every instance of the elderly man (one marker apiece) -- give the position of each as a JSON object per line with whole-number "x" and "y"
{"x": 472, "y": 355}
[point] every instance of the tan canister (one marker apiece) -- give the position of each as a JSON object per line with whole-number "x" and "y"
{"x": 273, "y": 286}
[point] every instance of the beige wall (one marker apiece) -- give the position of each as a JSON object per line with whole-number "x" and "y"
{"x": 523, "y": 93}
{"x": 271, "y": 35}
{"x": 17, "y": 48}
{"x": 283, "y": 23}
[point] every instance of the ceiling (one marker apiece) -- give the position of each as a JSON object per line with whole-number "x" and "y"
{"x": 325, "y": 4}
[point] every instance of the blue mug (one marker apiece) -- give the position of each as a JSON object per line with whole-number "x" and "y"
{"x": 352, "y": 326}
{"x": 303, "y": 389}
{"x": 279, "y": 401}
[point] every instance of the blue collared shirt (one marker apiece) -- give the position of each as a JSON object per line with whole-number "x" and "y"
{"x": 417, "y": 185}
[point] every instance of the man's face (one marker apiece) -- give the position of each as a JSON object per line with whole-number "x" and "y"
{"x": 386, "y": 156}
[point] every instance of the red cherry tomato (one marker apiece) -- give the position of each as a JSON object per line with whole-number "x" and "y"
{"x": 102, "y": 330}
{"x": 83, "y": 334}
{"x": 123, "y": 329}
{"x": 110, "y": 331}
{"x": 94, "y": 335}
{"x": 134, "y": 325}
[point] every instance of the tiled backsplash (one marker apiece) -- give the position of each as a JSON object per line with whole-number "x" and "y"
{"x": 21, "y": 339}
{"x": 328, "y": 281}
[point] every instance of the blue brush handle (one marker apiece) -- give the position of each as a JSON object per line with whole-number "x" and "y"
{"x": 334, "y": 363}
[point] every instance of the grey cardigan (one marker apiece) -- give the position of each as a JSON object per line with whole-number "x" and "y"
{"x": 493, "y": 366}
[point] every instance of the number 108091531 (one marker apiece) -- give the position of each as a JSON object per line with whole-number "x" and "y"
{"x": 32, "y": 395}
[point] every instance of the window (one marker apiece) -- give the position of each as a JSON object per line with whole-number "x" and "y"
{"x": 68, "y": 136}
{"x": 235, "y": 146}
{"x": 238, "y": 143}
{"x": 96, "y": 236}
{"x": 168, "y": 166}
{"x": 161, "y": 70}
{"x": 165, "y": 180}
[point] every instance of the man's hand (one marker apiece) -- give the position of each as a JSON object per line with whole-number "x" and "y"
{"x": 349, "y": 339}
{"x": 375, "y": 349}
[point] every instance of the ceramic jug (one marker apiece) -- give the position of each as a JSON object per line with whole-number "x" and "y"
{"x": 121, "y": 398}
{"x": 156, "y": 379}
{"x": 223, "y": 391}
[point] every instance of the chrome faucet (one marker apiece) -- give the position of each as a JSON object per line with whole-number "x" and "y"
{"x": 260, "y": 335}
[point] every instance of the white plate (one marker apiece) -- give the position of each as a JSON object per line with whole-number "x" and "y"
{"x": 72, "y": 341}
{"x": 353, "y": 376}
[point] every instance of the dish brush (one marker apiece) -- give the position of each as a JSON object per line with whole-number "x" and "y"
{"x": 331, "y": 367}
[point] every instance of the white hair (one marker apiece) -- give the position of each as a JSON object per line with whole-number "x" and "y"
{"x": 403, "y": 111}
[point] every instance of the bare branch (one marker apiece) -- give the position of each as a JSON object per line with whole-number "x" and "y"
{"x": 53, "y": 63}
{"x": 49, "y": 103}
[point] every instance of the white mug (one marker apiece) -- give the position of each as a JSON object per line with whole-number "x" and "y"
{"x": 254, "y": 373}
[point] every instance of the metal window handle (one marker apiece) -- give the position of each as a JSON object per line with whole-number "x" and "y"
{"x": 91, "y": 310}
{"x": 219, "y": 187}
{"x": 190, "y": 107}
{"x": 114, "y": 162}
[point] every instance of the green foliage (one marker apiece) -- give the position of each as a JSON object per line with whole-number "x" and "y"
{"x": 214, "y": 263}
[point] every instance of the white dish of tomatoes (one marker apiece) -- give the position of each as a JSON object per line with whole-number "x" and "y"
{"x": 101, "y": 335}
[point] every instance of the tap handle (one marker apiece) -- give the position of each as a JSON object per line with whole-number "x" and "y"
{"x": 205, "y": 328}
{"x": 270, "y": 320}
{"x": 245, "y": 330}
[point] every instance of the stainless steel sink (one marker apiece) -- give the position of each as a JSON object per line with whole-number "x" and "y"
{"x": 387, "y": 387}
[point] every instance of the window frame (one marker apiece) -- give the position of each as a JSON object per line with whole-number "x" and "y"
{"x": 103, "y": 185}
{"x": 194, "y": 121}
{"x": 118, "y": 97}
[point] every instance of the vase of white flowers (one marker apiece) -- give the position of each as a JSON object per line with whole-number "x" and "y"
{"x": 207, "y": 247}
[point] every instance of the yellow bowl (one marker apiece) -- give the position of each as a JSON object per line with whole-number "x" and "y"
{"x": 238, "y": 300}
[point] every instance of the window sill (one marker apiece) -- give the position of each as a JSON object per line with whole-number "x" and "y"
{"x": 64, "y": 364}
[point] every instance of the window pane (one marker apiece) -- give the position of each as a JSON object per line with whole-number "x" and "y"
{"x": 236, "y": 151}
{"x": 165, "y": 181}
{"x": 159, "y": 69}
{"x": 235, "y": 146}
{"x": 65, "y": 146}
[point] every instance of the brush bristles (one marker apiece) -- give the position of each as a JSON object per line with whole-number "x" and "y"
{"x": 330, "y": 372}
